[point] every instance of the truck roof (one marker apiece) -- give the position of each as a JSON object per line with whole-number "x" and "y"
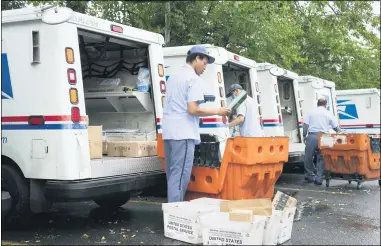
{"x": 309, "y": 78}
{"x": 267, "y": 66}
{"x": 218, "y": 52}
{"x": 358, "y": 91}
{"x": 85, "y": 21}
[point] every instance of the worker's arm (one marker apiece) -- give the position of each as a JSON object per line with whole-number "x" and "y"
{"x": 337, "y": 129}
{"x": 237, "y": 121}
{"x": 333, "y": 122}
{"x": 195, "y": 110}
{"x": 241, "y": 114}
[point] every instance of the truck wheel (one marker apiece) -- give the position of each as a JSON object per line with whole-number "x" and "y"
{"x": 18, "y": 188}
{"x": 113, "y": 202}
{"x": 359, "y": 185}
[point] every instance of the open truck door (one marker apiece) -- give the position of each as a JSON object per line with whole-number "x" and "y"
{"x": 313, "y": 88}
{"x": 282, "y": 111}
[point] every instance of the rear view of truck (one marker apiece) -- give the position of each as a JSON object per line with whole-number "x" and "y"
{"x": 282, "y": 109}
{"x": 228, "y": 69}
{"x": 80, "y": 121}
{"x": 312, "y": 89}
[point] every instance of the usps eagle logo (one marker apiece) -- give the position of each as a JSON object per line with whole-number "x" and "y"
{"x": 347, "y": 110}
{"x": 6, "y": 86}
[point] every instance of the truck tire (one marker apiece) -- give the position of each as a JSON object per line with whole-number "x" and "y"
{"x": 13, "y": 182}
{"x": 113, "y": 202}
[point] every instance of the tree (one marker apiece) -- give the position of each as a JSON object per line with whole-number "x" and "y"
{"x": 330, "y": 40}
{"x": 337, "y": 43}
{"x": 8, "y": 5}
{"x": 77, "y": 6}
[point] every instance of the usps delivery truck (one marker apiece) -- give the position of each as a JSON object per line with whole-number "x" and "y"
{"x": 311, "y": 89}
{"x": 359, "y": 110}
{"x": 282, "y": 109}
{"x": 62, "y": 72}
{"x": 228, "y": 69}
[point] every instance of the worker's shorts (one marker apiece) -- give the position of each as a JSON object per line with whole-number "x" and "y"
{"x": 179, "y": 156}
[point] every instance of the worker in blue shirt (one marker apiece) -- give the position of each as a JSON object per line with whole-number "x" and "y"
{"x": 248, "y": 121}
{"x": 319, "y": 121}
{"x": 184, "y": 94}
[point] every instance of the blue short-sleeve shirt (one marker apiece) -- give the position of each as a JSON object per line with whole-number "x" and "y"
{"x": 182, "y": 87}
{"x": 320, "y": 120}
{"x": 251, "y": 126}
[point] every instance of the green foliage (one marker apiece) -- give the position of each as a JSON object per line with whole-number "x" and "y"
{"x": 78, "y": 6}
{"x": 326, "y": 39}
{"x": 7, "y": 5}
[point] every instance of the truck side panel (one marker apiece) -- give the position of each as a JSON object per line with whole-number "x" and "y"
{"x": 359, "y": 113}
{"x": 57, "y": 149}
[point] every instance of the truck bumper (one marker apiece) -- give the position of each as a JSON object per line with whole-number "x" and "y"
{"x": 296, "y": 158}
{"x": 6, "y": 203}
{"x": 91, "y": 189}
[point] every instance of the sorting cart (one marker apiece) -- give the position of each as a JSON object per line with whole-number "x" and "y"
{"x": 352, "y": 157}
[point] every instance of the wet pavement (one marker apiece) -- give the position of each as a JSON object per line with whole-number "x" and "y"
{"x": 340, "y": 214}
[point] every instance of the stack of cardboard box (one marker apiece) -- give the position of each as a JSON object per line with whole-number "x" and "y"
{"x": 221, "y": 222}
{"x": 100, "y": 146}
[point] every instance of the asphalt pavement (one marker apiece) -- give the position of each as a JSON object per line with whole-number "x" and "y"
{"x": 337, "y": 215}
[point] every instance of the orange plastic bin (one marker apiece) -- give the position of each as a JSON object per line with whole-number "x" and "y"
{"x": 249, "y": 169}
{"x": 352, "y": 157}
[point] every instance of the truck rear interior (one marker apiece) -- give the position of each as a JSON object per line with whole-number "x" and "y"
{"x": 236, "y": 74}
{"x": 288, "y": 109}
{"x": 205, "y": 154}
{"x": 110, "y": 70}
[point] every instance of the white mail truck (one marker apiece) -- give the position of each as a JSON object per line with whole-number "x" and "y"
{"x": 359, "y": 110}
{"x": 228, "y": 69}
{"x": 62, "y": 72}
{"x": 282, "y": 109}
{"x": 311, "y": 89}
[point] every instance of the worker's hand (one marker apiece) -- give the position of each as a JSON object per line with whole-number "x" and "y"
{"x": 223, "y": 111}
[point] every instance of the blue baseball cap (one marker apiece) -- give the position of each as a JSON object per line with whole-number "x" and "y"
{"x": 198, "y": 49}
{"x": 232, "y": 88}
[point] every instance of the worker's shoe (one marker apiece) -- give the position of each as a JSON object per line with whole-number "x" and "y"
{"x": 309, "y": 180}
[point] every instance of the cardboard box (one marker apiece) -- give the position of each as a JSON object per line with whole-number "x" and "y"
{"x": 260, "y": 206}
{"x": 132, "y": 148}
{"x": 282, "y": 201}
{"x": 287, "y": 206}
{"x": 218, "y": 229}
{"x": 272, "y": 228}
{"x": 286, "y": 223}
{"x": 130, "y": 136}
{"x": 182, "y": 220}
{"x": 241, "y": 215}
{"x": 95, "y": 141}
{"x": 207, "y": 201}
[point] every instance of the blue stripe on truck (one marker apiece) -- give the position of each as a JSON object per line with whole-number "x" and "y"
{"x": 43, "y": 127}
